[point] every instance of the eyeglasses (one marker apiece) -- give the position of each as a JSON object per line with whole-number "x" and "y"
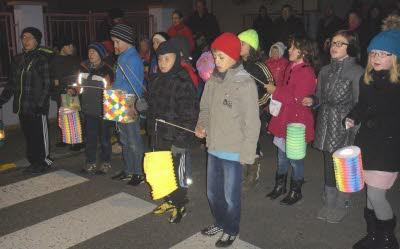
{"x": 338, "y": 44}
{"x": 380, "y": 54}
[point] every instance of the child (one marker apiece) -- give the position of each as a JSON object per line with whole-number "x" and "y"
{"x": 277, "y": 63}
{"x": 172, "y": 97}
{"x": 156, "y": 40}
{"x": 378, "y": 113}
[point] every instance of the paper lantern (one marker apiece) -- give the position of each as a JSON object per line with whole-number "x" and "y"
{"x": 70, "y": 124}
{"x": 296, "y": 141}
{"x": 348, "y": 169}
{"x": 205, "y": 65}
{"x": 116, "y": 105}
{"x": 159, "y": 169}
{"x": 2, "y": 134}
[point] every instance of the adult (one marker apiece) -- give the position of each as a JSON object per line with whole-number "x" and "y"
{"x": 287, "y": 25}
{"x": 178, "y": 28}
{"x": 355, "y": 23}
{"x": 374, "y": 20}
{"x": 265, "y": 28}
{"x": 114, "y": 17}
{"x": 327, "y": 26}
{"x": 29, "y": 83}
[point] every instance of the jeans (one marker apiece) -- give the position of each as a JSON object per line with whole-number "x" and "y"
{"x": 132, "y": 147}
{"x": 284, "y": 163}
{"x": 96, "y": 127}
{"x": 224, "y": 180}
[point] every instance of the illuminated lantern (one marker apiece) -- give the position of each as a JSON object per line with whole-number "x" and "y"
{"x": 2, "y": 133}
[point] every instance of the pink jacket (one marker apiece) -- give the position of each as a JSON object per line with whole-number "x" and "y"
{"x": 299, "y": 82}
{"x": 277, "y": 68}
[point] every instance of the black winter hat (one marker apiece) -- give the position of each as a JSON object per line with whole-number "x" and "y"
{"x": 36, "y": 33}
{"x": 123, "y": 32}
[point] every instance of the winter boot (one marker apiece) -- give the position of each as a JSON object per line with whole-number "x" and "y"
{"x": 294, "y": 194}
{"x": 385, "y": 238}
{"x": 279, "y": 188}
{"x": 369, "y": 240}
{"x": 337, "y": 214}
{"x": 253, "y": 173}
{"x": 328, "y": 199}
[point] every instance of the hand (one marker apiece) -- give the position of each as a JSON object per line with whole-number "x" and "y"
{"x": 270, "y": 88}
{"x": 349, "y": 123}
{"x": 307, "y": 101}
{"x": 200, "y": 132}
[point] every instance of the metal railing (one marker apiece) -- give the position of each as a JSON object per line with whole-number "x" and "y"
{"x": 7, "y": 44}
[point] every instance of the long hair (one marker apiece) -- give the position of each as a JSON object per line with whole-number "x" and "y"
{"x": 254, "y": 55}
{"x": 308, "y": 51}
{"x": 394, "y": 71}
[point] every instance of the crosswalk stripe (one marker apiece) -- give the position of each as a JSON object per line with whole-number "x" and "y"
{"x": 37, "y": 186}
{"x": 199, "y": 241}
{"x": 74, "y": 227}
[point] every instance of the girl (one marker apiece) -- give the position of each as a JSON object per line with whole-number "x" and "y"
{"x": 229, "y": 119}
{"x": 172, "y": 97}
{"x": 337, "y": 93}
{"x": 277, "y": 63}
{"x": 299, "y": 82}
{"x": 379, "y": 137}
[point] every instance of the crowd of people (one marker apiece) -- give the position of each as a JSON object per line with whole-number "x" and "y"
{"x": 263, "y": 79}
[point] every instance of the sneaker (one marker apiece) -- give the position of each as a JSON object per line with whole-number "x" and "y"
{"x": 189, "y": 181}
{"x": 163, "y": 208}
{"x": 136, "y": 180}
{"x": 89, "y": 168}
{"x": 104, "y": 168}
{"x": 225, "y": 240}
{"x": 211, "y": 230}
{"x": 177, "y": 215}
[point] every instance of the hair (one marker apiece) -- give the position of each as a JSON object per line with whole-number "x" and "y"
{"x": 203, "y": 2}
{"x": 287, "y": 6}
{"x": 353, "y": 49}
{"x": 179, "y": 13}
{"x": 254, "y": 55}
{"x": 356, "y": 12}
{"x": 394, "y": 71}
{"x": 308, "y": 50}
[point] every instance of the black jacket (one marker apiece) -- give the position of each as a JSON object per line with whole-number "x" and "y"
{"x": 206, "y": 25}
{"x": 264, "y": 27}
{"x": 29, "y": 83}
{"x": 65, "y": 70}
{"x": 378, "y": 112}
{"x": 287, "y": 28}
{"x": 173, "y": 98}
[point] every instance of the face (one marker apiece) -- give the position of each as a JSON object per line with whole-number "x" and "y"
{"x": 244, "y": 49}
{"x": 338, "y": 48}
{"x": 156, "y": 43}
{"x": 94, "y": 57}
{"x": 144, "y": 46}
{"x": 354, "y": 20}
{"x": 68, "y": 49}
{"x": 222, "y": 61}
{"x": 200, "y": 6}
{"x": 294, "y": 54}
{"x": 28, "y": 41}
{"x": 286, "y": 13}
{"x": 381, "y": 60}
{"x": 166, "y": 62}
{"x": 275, "y": 53}
{"x": 119, "y": 45}
{"x": 176, "y": 20}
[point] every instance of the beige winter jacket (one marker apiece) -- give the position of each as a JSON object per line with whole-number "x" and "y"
{"x": 229, "y": 114}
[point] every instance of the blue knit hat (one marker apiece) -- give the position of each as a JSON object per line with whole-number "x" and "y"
{"x": 388, "y": 41}
{"x": 100, "y": 49}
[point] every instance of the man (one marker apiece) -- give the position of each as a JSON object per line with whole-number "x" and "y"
{"x": 29, "y": 83}
{"x": 265, "y": 28}
{"x": 129, "y": 78}
{"x": 288, "y": 24}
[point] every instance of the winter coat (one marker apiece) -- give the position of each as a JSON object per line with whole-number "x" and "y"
{"x": 29, "y": 83}
{"x": 337, "y": 94}
{"x": 378, "y": 112}
{"x": 287, "y": 28}
{"x": 192, "y": 73}
{"x": 63, "y": 69}
{"x": 205, "y": 25}
{"x": 277, "y": 68}
{"x": 264, "y": 27}
{"x": 229, "y": 114}
{"x": 173, "y": 98}
{"x": 182, "y": 30}
{"x": 299, "y": 82}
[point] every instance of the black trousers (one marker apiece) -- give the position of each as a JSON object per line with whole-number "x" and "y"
{"x": 329, "y": 172}
{"x": 35, "y": 129}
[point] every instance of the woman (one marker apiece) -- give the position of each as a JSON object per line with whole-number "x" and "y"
{"x": 378, "y": 113}
{"x": 337, "y": 93}
{"x": 156, "y": 40}
{"x": 229, "y": 119}
{"x": 299, "y": 82}
{"x": 178, "y": 28}
{"x": 173, "y": 98}
{"x": 253, "y": 65}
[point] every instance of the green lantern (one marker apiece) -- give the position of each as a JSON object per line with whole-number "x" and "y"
{"x": 296, "y": 141}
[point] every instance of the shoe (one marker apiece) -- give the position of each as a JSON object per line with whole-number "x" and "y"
{"x": 104, "y": 168}
{"x": 369, "y": 240}
{"x": 163, "y": 208}
{"x": 340, "y": 209}
{"x": 118, "y": 175}
{"x": 136, "y": 180}
{"x": 279, "y": 188}
{"x": 38, "y": 169}
{"x": 294, "y": 194}
{"x": 89, "y": 168}
{"x": 211, "y": 230}
{"x": 329, "y": 200}
{"x": 225, "y": 240}
{"x": 385, "y": 237}
{"x": 177, "y": 215}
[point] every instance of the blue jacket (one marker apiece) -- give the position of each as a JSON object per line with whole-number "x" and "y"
{"x": 132, "y": 65}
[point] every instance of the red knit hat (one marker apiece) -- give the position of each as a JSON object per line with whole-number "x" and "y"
{"x": 229, "y": 44}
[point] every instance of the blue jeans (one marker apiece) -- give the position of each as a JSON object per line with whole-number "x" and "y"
{"x": 96, "y": 127}
{"x": 132, "y": 147}
{"x": 284, "y": 163}
{"x": 224, "y": 181}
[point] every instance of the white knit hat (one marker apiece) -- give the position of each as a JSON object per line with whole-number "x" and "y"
{"x": 281, "y": 48}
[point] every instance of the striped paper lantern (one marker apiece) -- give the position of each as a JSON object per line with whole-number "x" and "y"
{"x": 348, "y": 169}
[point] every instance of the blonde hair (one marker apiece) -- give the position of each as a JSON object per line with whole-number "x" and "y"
{"x": 394, "y": 71}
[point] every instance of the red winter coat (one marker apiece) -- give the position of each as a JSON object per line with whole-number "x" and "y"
{"x": 299, "y": 82}
{"x": 277, "y": 68}
{"x": 190, "y": 70}
{"x": 182, "y": 30}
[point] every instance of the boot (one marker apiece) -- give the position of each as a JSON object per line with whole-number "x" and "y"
{"x": 385, "y": 238}
{"x": 340, "y": 210}
{"x": 253, "y": 173}
{"x": 369, "y": 241}
{"x": 279, "y": 188}
{"x": 294, "y": 194}
{"x": 328, "y": 199}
